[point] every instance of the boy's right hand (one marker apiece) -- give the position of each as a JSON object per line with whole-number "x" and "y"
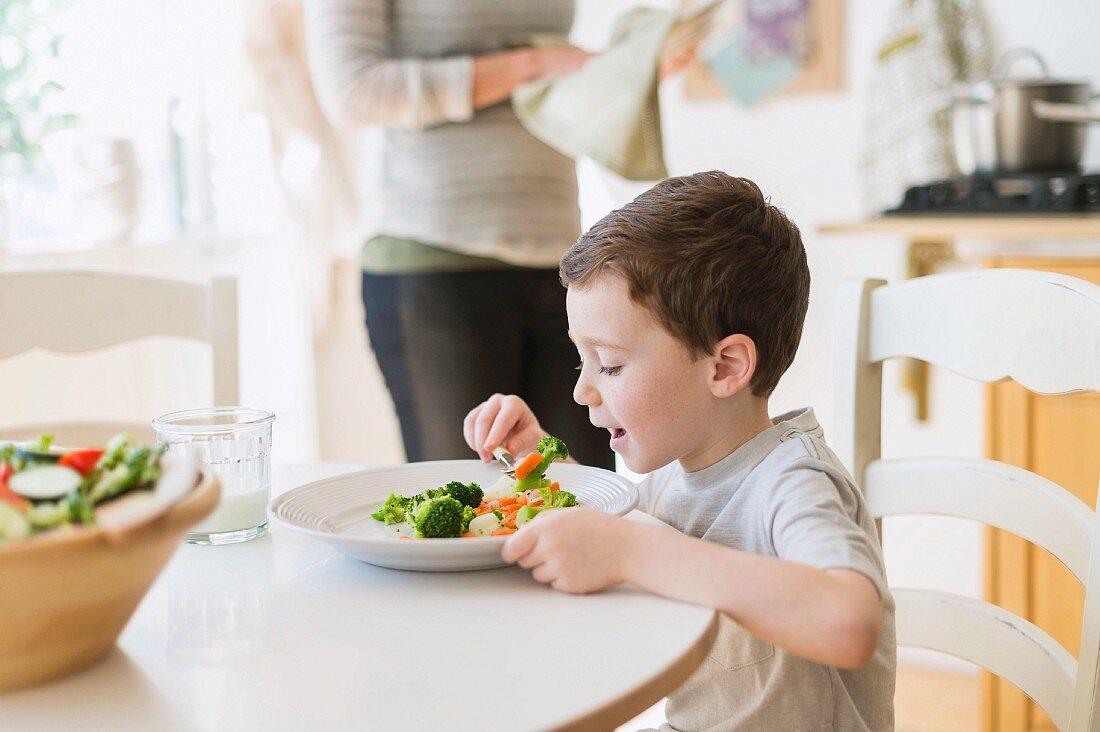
{"x": 502, "y": 420}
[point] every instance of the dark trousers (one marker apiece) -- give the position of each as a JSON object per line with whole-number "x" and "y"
{"x": 446, "y": 341}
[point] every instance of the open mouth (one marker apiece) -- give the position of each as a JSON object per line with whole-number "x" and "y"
{"x": 617, "y": 432}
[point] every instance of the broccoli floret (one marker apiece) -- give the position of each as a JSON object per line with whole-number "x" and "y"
{"x": 551, "y": 449}
{"x": 426, "y": 496}
{"x": 561, "y": 499}
{"x": 468, "y": 494}
{"x": 468, "y": 515}
{"x": 437, "y": 518}
{"x": 393, "y": 510}
{"x": 415, "y": 502}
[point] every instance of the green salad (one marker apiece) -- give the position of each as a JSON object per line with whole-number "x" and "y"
{"x": 465, "y": 510}
{"x": 43, "y": 489}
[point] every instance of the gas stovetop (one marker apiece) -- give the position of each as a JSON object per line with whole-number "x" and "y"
{"x": 1065, "y": 192}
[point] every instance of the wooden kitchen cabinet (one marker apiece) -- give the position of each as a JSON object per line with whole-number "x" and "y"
{"x": 1057, "y": 436}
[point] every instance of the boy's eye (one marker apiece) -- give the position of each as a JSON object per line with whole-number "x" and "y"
{"x": 610, "y": 370}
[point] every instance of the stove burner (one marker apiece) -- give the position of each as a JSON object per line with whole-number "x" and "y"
{"x": 1026, "y": 193}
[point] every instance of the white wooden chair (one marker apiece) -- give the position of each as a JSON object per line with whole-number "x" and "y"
{"x": 74, "y": 311}
{"x": 1043, "y": 331}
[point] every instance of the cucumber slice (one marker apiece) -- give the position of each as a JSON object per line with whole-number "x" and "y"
{"x": 13, "y": 524}
{"x": 45, "y": 482}
{"x": 36, "y": 457}
{"x": 47, "y": 514}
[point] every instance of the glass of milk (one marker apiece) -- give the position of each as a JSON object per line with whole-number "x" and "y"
{"x": 236, "y": 443}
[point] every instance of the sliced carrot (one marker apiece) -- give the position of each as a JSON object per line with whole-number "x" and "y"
{"x": 507, "y": 501}
{"x": 503, "y": 532}
{"x": 555, "y": 486}
{"x": 469, "y": 535}
{"x": 529, "y": 463}
{"x": 521, "y": 499}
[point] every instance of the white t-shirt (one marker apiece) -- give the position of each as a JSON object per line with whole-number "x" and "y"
{"x": 782, "y": 494}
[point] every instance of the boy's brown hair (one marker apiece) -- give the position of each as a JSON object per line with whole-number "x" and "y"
{"x": 709, "y": 257}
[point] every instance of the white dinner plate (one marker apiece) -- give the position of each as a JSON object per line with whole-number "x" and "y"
{"x": 337, "y": 511}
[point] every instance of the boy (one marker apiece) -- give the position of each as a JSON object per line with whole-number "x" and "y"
{"x": 686, "y": 306}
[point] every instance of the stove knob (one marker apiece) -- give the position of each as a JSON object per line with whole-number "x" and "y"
{"x": 1091, "y": 193}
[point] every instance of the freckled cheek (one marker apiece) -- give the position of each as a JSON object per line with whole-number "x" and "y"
{"x": 642, "y": 403}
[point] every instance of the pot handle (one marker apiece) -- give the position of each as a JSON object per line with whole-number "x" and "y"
{"x": 1009, "y": 58}
{"x": 1061, "y": 112}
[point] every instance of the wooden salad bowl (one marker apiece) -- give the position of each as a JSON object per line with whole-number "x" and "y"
{"x": 65, "y": 596}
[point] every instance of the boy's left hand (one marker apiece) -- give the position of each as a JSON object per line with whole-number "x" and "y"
{"x": 576, "y": 550}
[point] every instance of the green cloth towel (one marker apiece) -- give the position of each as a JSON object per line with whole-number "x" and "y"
{"x": 607, "y": 111}
{"x": 394, "y": 255}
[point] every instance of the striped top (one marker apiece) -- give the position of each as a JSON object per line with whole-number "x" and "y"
{"x": 476, "y": 183}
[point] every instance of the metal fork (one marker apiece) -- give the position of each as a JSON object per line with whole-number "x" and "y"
{"x": 505, "y": 461}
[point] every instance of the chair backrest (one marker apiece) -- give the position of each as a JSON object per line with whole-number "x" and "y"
{"x": 1043, "y": 331}
{"x": 73, "y": 311}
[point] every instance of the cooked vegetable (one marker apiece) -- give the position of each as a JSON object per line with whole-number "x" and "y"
{"x": 485, "y": 524}
{"x": 468, "y": 494}
{"x": 393, "y": 510}
{"x": 468, "y": 515}
{"x": 464, "y": 509}
{"x": 528, "y": 465}
{"x": 558, "y": 499}
{"x": 527, "y": 513}
{"x": 437, "y": 518}
{"x": 549, "y": 449}
{"x": 505, "y": 486}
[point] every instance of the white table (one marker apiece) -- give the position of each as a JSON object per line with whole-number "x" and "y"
{"x": 283, "y": 633}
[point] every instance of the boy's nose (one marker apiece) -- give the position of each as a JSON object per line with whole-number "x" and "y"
{"x": 584, "y": 394}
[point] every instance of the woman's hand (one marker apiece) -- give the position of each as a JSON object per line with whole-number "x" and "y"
{"x": 496, "y": 75}
{"x": 675, "y": 62}
{"x": 554, "y": 61}
{"x": 575, "y": 550}
{"x": 502, "y": 420}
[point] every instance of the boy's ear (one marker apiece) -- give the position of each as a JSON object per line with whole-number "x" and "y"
{"x": 734, "y": 365}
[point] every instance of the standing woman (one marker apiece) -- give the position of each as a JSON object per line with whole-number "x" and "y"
{"x": 460, "y": 282}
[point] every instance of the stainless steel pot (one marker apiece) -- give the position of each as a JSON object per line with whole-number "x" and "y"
{"x": 1020, "y": 124}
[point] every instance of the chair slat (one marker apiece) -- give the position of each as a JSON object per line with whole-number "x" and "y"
{"x": 75, "y": 311}
{"x": 1043, "y": 330}
{"x": 70, "y": 311}
{"x": 994, "y": 493}
{"x": 992, "y": 638}
{"x": 1040, "y": 329}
